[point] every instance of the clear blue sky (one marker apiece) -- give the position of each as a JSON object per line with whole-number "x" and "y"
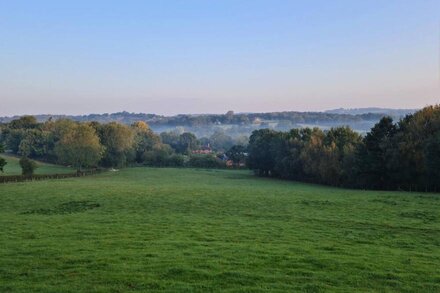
{"x": 185, "y": 56}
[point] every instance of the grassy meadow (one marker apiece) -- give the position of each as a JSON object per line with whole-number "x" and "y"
{"x": 13, "y": 167}
{"x": 191, "y": 230}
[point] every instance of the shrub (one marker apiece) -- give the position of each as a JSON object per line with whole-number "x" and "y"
{"x": 205, "y": 161}
{"x": 2, "y": 164}
{"x": 2, "y": 161}
{"x": 27, "y": 166}
{"x": 176, "y": 160}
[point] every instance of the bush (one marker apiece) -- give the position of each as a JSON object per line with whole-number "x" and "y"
{"x": 162, "y": 156}
{"x": 2, "y": 161}
{"x": 205, "y": 161}
{"x": 27, "y": 166}
{"x": 176, "y": 161}
{"x": 2, "y": 164}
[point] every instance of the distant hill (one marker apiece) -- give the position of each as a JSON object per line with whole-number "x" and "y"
{"x": 237, "y": 124}
{"x": 338, "y": 115}
{"x": 122, "y": 117}
{"x": 374, "y": 110}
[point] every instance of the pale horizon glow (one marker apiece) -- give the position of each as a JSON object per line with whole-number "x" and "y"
{"x": 173, "y": 57}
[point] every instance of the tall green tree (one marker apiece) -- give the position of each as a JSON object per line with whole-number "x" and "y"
{"x": 3, "y": 162}
{"x": 416, "y": 142}
{"x": 159, "y": 155}
{"x": 35, "y": 144}
{"x": 340, "y": 144}
{"x": 28, "y": 166}
{"x": 171, "y": 138}
{"x": 288, "y": 156}
{"x": 144, "y": 140}
{"x": 13, "y": 138}
{"x": 237, "y": 154}
{"x": 118, "y": 140}
{"x": 313, "y": 156}
{"x": 24, "y": 122}
{"x": 432, "y": 159}
{"x": 79, "y": 146}
{"x": 220, "y": 141}
{"x": 187, "y": 143}
{"x": 261, "y": 152}
{"x": 373, "y": 156}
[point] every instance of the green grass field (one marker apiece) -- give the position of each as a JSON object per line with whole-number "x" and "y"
{"x": 145, "y": 229}
{"x": 13, "y": 167}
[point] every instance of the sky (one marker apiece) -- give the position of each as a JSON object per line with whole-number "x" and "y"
{"x": 170, "y": 57}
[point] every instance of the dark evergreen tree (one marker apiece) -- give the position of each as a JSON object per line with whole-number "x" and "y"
{"x": 260, "y": 153}
{"x": 3, "y": 162}
{"x": 373, "y": 170}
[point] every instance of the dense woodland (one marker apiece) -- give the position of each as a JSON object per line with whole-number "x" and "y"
{"x": 403, "y": 155}
{"x": 87, "y": 145}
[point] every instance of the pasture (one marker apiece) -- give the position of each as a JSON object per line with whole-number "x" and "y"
{"x": 193, "y": 230}
{"x": 13, "y": 167}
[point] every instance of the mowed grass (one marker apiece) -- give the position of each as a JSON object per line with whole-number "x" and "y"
{"x": 13, "y": 167}
{"x": 146, "y": 229}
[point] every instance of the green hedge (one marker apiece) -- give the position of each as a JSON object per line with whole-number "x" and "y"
{"x": 20, "y": 178}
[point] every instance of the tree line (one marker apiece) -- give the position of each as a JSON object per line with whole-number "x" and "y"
{"x": 229, "y": 118}
{"x": 403, "y": 155}
{"x": 391, "y": 156}
{"x": 92, "y": 144}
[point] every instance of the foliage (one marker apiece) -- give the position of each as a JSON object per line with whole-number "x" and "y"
{"x": 261, "y": 152}
{"x": 391, "y": 156}
{"x": 187, "y": 143}
{"x": 205, "y": 161}
{"x": 350, "y": 117}
{"x": 28, "y": 166}
{"x": 117, "y": 140}
{"x": 3, "y": 162}
{"x": 237, "y": 154}
{"x": 145, "y": 140}
{"x": 171, "y": 139}
{"x": 24, "y": 122}
{"x": 220, "y": 141}
{"x": 403, "y": 155}
{"x": 372, "y": 155}
{"x": 162, "y": 155}
{"x": 12, "y": 138}
{"x": 79, "y": 146}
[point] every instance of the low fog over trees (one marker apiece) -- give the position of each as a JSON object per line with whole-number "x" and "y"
{"x": 392, "y": 155}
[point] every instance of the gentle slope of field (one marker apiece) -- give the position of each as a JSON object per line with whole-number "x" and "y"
{"x": 147, "y": 229}
{"x": 13, "y": 167}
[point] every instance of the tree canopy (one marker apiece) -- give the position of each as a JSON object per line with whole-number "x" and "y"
{"x": 403, "y": 155}
{"x": 2, "y": 160}
{"x": 392, "y": 155}
{"x": 79, "y": 146}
